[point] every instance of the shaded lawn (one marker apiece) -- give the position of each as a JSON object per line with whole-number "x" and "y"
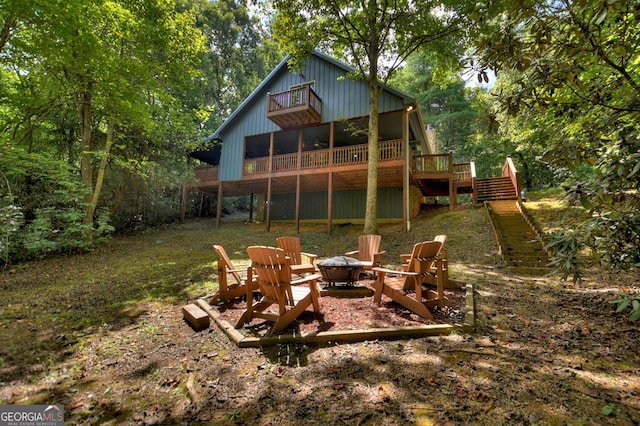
{"x": 102, "y": 333}
{"x": 49, "y": 305}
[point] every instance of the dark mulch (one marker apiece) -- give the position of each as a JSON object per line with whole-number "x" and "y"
{"x": 350, "y": 313}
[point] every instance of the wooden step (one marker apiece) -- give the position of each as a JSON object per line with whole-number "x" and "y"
{"x": 495, "y": 189}
{"x": 519, "y": 245}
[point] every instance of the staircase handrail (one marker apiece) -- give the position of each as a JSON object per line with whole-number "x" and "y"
{"x": 535, "y": 226}
{"x": 509, "y": 170}
{"x": 474, "y": 178}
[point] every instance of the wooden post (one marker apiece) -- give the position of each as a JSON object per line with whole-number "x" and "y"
{"x": 183, "y": 207}
{"x": 219, "y": 206}
{"x": 452, "y": 190}
{"x": 251, "y": 208}
{"x": 405, "y": 181}
{"x": 270, "y": 168}
{"x": 268, "y": 206}
{"x": 299, "y": 165}
{"x": 330, "y": 180}
{"x": 185, "y": 193}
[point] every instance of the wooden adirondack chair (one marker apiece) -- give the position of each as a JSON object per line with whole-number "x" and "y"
{"x": 291, "y": 247}
{"x": 228, "y": 290}
{"x": 273, "y": 276}
{"x": 441, "y": 264}
{"x": 368, "y": 252}
{"x": 408, "y": 287}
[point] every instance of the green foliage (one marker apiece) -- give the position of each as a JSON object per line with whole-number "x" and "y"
{"x": 446, "y": 106}
{"x": 11, "y": 220}
{"x": 610, "y": 410}
{"x": 158, "y": 69}
{"x": 58, "y": 230}
{"x": 240, "y": 54}
{"x": 41, "y": 209}
{"x": 630, "y": 302}
{"x": 577, "y": 115}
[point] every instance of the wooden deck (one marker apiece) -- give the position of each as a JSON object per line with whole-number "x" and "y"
{"x": 432, "y": 174}
{"x": 296, "y": 107}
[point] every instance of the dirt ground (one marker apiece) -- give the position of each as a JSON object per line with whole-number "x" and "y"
{"x": 545, "y": 352}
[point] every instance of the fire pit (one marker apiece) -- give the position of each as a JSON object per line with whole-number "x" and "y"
{"x": 340, "y": 269}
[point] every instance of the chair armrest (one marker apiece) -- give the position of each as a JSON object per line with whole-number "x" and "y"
{"x": 352, "y": 253}
{"x": 312, "y": 257}
{"x": 404, "y": 260}
{"x": 393, "y": 271}
{"x": 307, "y": 278}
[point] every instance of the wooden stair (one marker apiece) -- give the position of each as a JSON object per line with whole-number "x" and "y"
{"x": 520, "y": 246}
{"x": 500, "y": 188}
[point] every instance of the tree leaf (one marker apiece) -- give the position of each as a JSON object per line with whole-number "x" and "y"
{"x": 601, "y": 17}
{"x": 623, "y": 305}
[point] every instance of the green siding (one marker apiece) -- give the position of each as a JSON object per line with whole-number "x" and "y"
{"x": 342, "y": 98}
{"x": 346, "y": 205}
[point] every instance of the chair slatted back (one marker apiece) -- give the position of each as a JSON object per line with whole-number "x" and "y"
{"x": 423, "y": 256}
{"x": 291, "y": 247}
{"x": 224, "y": 264}
{"x": 273, "y": 272}
{"x": 368, "y": 246}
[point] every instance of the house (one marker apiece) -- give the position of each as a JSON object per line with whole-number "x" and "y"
{"x": 298, "y": 144}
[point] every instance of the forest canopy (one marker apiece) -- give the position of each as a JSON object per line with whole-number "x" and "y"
{"x": 100, "y": 101}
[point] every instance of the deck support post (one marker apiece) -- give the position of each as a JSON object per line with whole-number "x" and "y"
{"x": 452, "y": 188}
{"x": 219, "y": 206}
{"x": 185, "y": 193}
{"x": 330, "y": 180}
{"x": 270, "y": 169}
{"x": 183, "y": 207}
{"x": 405, "y": 181}
{"x": 298, "y": 168}
{"x": 251, "y": 207}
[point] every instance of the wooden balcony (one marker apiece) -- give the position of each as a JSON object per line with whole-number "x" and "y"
{"x": 438, "y": 175}
{"x": 343, "y": 156}
{"x": 433, "y": 174}
{"x": 207, "y": 173}
{"x": 293, "y": 108}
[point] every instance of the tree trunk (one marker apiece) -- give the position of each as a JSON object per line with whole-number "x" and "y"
{"x": 371, "y": 210}
{"x": 103, "y": 165}
{"x": 86, "y": 169}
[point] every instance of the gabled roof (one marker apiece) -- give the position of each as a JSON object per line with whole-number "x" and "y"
{"x": 272, "y": 75}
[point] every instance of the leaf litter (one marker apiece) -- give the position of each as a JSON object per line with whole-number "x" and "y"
{"x": 103, "y": 334}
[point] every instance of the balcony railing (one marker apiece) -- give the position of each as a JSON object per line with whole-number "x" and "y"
{"x": 433, "y": 164}
{"x": 438, "y": 164}
{"x": 207, "y": 174}
{"x": 295, "y": 107}
{"x": 462, "y": 172}
{"x": 342, "y": 156}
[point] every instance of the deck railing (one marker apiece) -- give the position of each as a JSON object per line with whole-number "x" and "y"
{"x": 462, "y": 172}
{"x": 207, "y": 174}
{"x": 256, "y": 165}
{"x": 342, "y": 156}
{"x": 433, "y": 164}
{"x": 315, "y": 159}
{"x": 353, "y": 155}
{"x": 302, "y": 96}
